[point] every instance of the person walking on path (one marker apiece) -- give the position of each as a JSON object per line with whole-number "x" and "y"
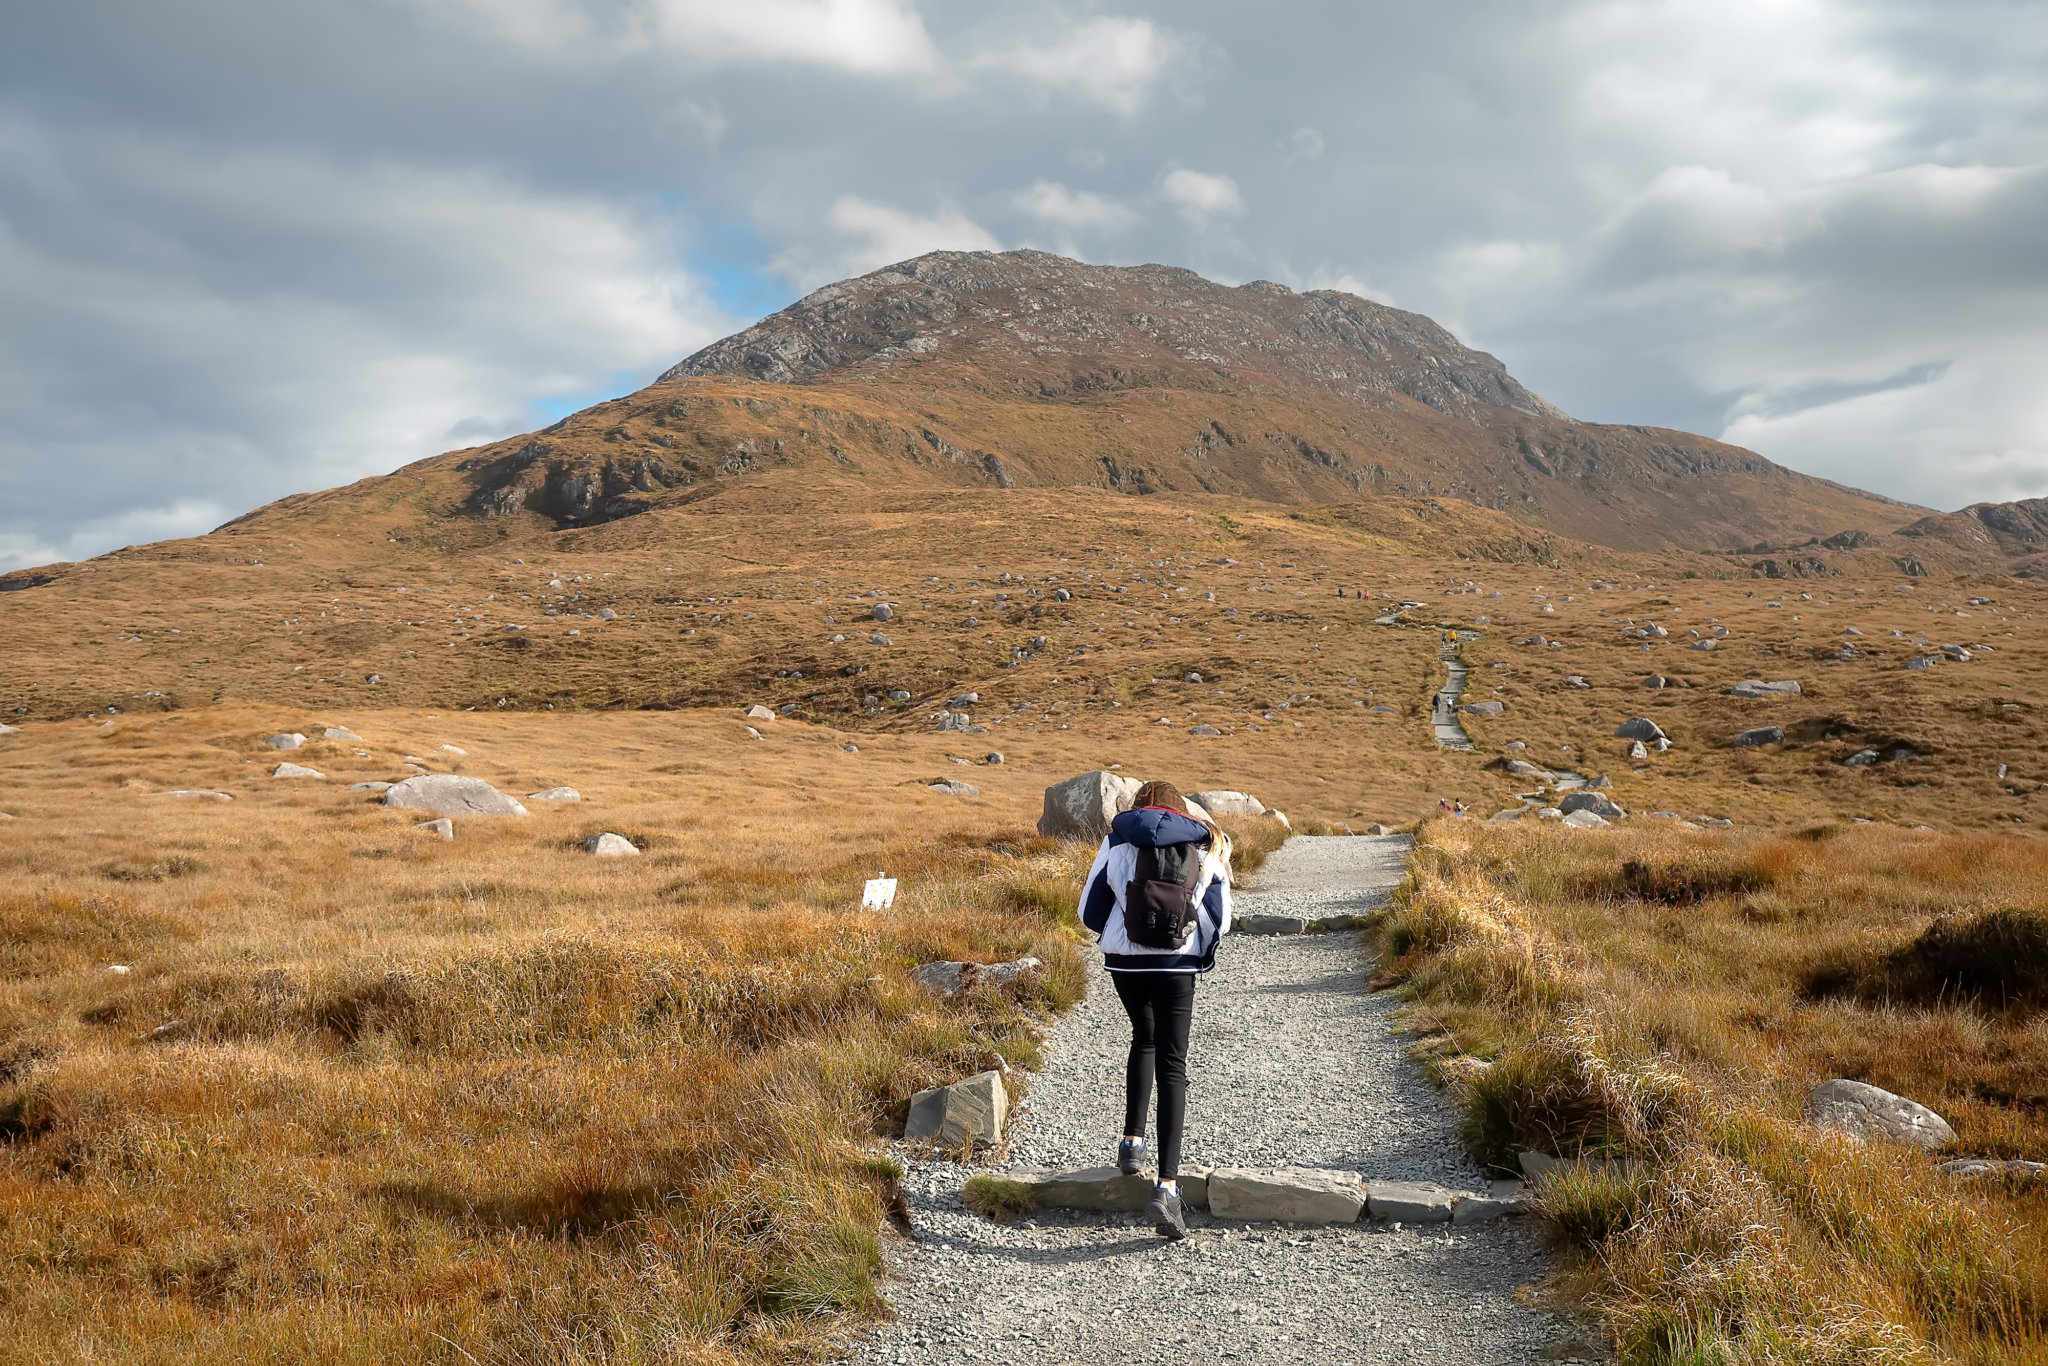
{"x": 1158, "y": 898}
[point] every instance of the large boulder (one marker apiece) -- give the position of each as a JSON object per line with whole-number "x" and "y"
{"x": 967, "y": 1111}
{"x": 1083, "y": 806}
{"x": 1522, "y": 768}
{"x": 1600, "y": 806}
{"x": 1225, "y": 803}
{"x": 1639, "y": 728}
{"x": 1286, "y": 1195}
{"x": 1863, "y": 1111}
{"x": 448, "y": 794}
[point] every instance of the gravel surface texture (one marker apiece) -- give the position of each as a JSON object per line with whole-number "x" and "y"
{"x": 1292, "y": 1063}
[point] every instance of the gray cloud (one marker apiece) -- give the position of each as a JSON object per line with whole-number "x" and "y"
{"x": 249, "y": 249}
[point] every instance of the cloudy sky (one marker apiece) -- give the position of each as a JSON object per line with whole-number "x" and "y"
{"x": 249, "y": 248}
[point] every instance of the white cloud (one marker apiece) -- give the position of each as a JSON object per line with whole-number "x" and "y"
{"x": 1112, "y": 63}
{"x": 277, "y": 323}
{"x": 1057, "y": 206}
{"x": 131, "y": 526}
{"x": 873, "y": 37}
{"x": 1304, "y": 144}
{"x": 868, "y": 37}
{"x": 1977, "y": 432}
{"x": 1200, "y": 195}
{"x": 875, "y": 235}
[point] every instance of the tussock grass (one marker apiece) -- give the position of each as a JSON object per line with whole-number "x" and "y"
{"x": 995, "y": 1197}
{"x": 1645, "y": 994}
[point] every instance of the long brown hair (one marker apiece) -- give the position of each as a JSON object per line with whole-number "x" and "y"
{"x": 1158, "y": 792}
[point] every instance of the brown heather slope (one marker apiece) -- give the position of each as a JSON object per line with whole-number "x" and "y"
{"x": 1024, "y": 369}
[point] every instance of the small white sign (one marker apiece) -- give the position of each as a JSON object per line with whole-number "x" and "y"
{"x": 880, "y": 894}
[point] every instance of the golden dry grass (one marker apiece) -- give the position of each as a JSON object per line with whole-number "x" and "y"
{"x": 1651, "y": 994}
{"x": 489, "y": 1099}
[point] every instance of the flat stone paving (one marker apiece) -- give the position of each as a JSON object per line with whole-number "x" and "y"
{"x": 1293, "y": 1063}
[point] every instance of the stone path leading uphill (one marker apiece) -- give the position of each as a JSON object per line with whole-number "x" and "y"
{"x": 1293, "y": 1063}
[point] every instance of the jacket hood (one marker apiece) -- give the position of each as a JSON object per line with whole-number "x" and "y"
{"x": 1154, "y": 826}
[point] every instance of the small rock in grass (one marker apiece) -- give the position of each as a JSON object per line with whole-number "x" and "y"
{"x": 1995, "y": 1167}
{"x": 952, "y": 787}
{"x": 341, "y": 733}
{"x": 1487, "y": 708}
{"x": 968, "y": 1111}
{"x": 1223, "y": 802}
{"x": 1863, "y": 1111}
{"x": 295, "y": 771}
{"x": 1599, "y": 805}
{"x": 556, "y": 794}
{"x": 757, "y": 712}
{"x": 1376, "y": 829}
{"x": 287, "y": 741}
{"x": 456, "y": 749}
{"x": 443, "y": 827}
{"x": 994, "y": 757}
{"x": 1756, "y": 687}
{"x": 1639, "y": 728}
{"x": 369, "y": 787}
{"x": 193, "y": 792}
{"x": 608, "y": 845}
{"x": 1583, "y": 820}
{"x": 1759, "y": 735}
{"x": 1637, "y": 750}
{"x": 1862, "y": 758}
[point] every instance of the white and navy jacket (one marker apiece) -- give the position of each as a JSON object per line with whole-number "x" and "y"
{"x": 1116, "y": 863}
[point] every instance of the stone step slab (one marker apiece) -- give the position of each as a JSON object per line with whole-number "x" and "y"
{"x": 1289, "y": 1195}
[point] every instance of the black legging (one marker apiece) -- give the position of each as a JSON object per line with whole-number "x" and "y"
{"x": 1161, "y": 1006}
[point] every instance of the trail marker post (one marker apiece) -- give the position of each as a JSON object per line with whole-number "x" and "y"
{"x": 879, "y": 894}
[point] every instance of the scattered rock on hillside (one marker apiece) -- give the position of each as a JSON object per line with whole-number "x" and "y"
{"x": 882, "y": 611}
{"x": 1920, "y": 662}
{"x": 295, "y": 771}
{"x": 291, "y": 740}
{"x": 457, "y": 750}
{"x": 950, "y": 979}
{"x": 755, "y": 733}
{"x": 443, "y": 827}
{"x": 968, "y": 1111}
{"x": 1575, "y": 681}
{"x": 369, "y": 787}
{"x": 556, "y": 794}
{"x": 1639, "y": 728}
{"x": 194, "y": 792}
{"x": 994, "y": 757}
{"x": 1759, "y": 735}
{"x": 1637, "y": 750}
{"x": 341, "y": 733}
{"x": 1222, "y": 802}
{"x": 1593, "y": 802}
{"x": 953, "y": 787}
{"x": 1488, "y": 708}
{"x": 1583, "y": 820}
{"x": 1707, "y": 644}
{"x": 1862, "y": 758}
{"x": 757, "y": 712}
{"x": 1083, "y": 806}
{"x": 9, "y": 730}
{"x": 1756, "y": 687}
{"x": 1061, "y": 595}
{"x": 1863, "y": 1111}
{"x": 1203, "y": 730}
{"x": 1995, "y": 1167}
{"x": 1956, "y": 652}
{"x": 1376, "y": 829}
{"x": 447, "y": 794}
{"x": 1522, "y": 768}
{"x": 608, "y": 845}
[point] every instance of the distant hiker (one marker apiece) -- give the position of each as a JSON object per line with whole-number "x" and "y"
{"x": 1443, "y": 804}
{"x": 1158, "y": 898}
{"x": 1458, "y": 810}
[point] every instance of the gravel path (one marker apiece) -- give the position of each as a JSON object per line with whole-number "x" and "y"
{"x": 1292, "y": 1062}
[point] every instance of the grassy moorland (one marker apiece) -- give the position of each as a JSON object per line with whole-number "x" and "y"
{"x": 366, "y": 1095}
{"x": 1666, "y": 996}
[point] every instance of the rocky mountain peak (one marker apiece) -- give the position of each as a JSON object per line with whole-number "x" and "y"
{"x": 1004, "y": 314}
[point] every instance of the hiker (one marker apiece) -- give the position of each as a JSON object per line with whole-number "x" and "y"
{"x": 1158, "y": 899}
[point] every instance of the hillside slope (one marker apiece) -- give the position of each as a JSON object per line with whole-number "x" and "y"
{"x": 1026, "y": 369}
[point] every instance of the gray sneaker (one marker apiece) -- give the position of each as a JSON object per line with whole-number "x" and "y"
{"x": 1164, "y": 1210}
{"x": 1130, "y": 1154}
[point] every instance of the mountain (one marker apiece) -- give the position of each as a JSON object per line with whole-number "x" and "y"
{"x": 1026, "y": 369}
